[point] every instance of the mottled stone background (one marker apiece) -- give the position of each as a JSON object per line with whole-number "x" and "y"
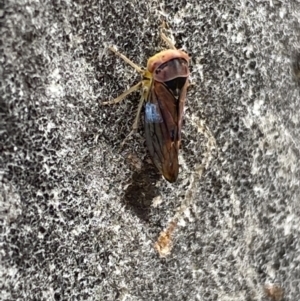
{"x": 79, "y": 216}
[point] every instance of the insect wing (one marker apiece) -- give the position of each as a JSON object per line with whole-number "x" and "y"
{"x": 181, "y": 103}
{"x": 163, "y": 121}
{"x": 152, "y": 113}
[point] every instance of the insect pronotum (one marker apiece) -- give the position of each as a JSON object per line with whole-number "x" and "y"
{"x": 164, "y": 85}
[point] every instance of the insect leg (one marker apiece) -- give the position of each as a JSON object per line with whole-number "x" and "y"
{"x": 136, "y": 120}
{"x": 167, "y": 40}
{"x": 123, "y": 95}
{"x": 127, "y": 60}
{"x": 164, "y": 37}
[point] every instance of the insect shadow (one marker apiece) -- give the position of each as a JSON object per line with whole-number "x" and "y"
{"x": 141, "y": 191}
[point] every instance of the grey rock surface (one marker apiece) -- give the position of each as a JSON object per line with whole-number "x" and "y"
{"x": 79, "y": 217}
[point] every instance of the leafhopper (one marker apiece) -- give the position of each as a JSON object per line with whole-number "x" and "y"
{"x": 163, "y": 87}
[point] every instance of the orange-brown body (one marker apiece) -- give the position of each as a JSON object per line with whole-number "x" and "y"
{"x": 164, "y": 84}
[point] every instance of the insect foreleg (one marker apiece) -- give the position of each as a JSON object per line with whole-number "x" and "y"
{"x": 164, "y": 37}
{"x": 127, "y": 60}
{"x": 167, "y": 41}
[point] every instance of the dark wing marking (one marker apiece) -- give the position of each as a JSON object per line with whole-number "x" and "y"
{"x": 163, "y": 122}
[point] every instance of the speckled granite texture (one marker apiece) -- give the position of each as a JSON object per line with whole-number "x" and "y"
{"x": 77, "y": 214}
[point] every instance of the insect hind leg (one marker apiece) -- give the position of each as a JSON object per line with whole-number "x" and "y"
{"x": 135, "y": 125}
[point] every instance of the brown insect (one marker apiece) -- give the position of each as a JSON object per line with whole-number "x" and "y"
{"x": 164, "y": 86}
